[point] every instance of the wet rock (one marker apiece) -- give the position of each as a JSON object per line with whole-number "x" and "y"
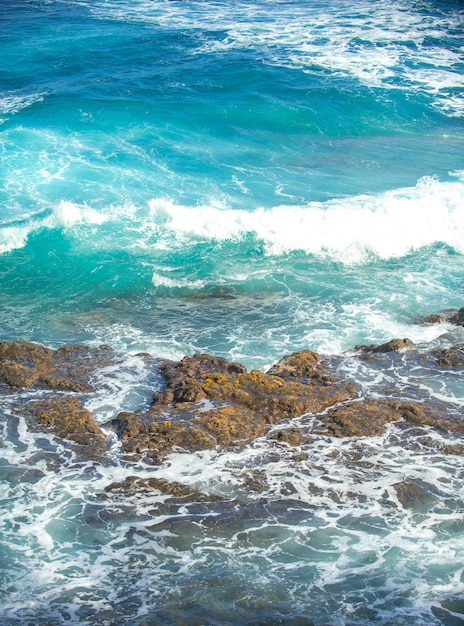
{"x": 68, "y": 419}
{"x": 289, "y": 436}
{"x": 24, "y": 364}
{"x": 369, "y": 418}
{"x": 364, "y": 418}
{"x": 434, "y": 318}
{"x": 394, "y": 345}
{"x": 458, "y": 318}
{"x": 416, "y": 495}
{"x": 450, "y": 357}
{"x": 304, "y": 364}
{"x": 135, "y": 484}
{"x": 209, "y": 401}
{"x": 446, "y": 617}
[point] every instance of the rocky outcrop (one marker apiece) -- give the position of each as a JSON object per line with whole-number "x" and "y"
{"x": 394, "y": 345}
{"x": 458, "y": 318}
{"x": 24, "y": 364}
{"x": 28, "y": 366}
{"x": 450, "y": 357}
{"x": 66, "y": 416}
{"x": 209, "y": 401}
{"x": 136, "y": 484}
{"x": 368, "y": 418}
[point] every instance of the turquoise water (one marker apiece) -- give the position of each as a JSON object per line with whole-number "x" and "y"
{"x": 245, "y": 179}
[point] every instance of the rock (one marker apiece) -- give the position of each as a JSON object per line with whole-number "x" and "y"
{"x": 68, "y": 419}
{"x": 135, "y": 484}
{"x": 458, "y": 318}
{"x": 394, "y": 345}
{"x": 450, "y": 357}
{"x": 209, "y": 401}
{"x": 299, "y": 365}
{"x": 416, "y": 495}
{"x": 368, "y": 418}
{"x": 364, "y": 418}
{"x": 434, "y": 318}
{"x": 24, "y": 364}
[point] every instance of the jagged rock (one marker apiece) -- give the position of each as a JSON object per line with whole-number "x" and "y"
{"x": 135, "y": 484}
{"x": 364, "y": 418}
{"x": 210, "y": 401}
{"x": 299, "y": 365}
{"x": 367, "y": 418}
{"x": 434, "y": 318}
{"x": 450, "y": 357}
{"x": 415, "y": 494}
{"x": 394, "y": 345}
{"x": 24, "y": 364}
{"x": 68, "y": 419}
{"x": 458, "y": 318}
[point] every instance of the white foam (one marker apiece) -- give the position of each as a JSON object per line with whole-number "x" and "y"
{"x": 70, "y": 214}
{"x": 374, "y": 43}
{"x": 12, "y": 103}
{"x": 350, "y": 230}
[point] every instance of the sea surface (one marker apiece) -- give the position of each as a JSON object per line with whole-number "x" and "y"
{"x": 245, "y": 178}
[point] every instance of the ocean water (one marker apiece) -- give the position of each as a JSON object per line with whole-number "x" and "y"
{"x": 244, "y": 178}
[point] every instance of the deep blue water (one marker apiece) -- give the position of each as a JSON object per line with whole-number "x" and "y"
{"x": 245, "y": 179}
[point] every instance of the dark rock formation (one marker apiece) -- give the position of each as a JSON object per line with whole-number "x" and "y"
{"x": 450, "y": 357}
{"x": 209, "y": 401}
{"x": 434, "y": 318}
{"x": 368, "y": 418}
{"x": 458, "y": 318}
{"x": 25, "y": 364}
{"x": 416, "y": 494}
{"x": 135, "y": 484}
{"x": 68, "y": 419}
{"x": 394, "y": 345}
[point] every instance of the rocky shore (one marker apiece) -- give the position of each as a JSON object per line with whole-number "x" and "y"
{"x": 210, "y": 402}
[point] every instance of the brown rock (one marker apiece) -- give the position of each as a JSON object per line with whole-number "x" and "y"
{"x": 416, "y": 495}
{"x": 368, "y": 418}
{"x": 210, "y": 401}
{"x": 303, "y": 364}
{"x": 364, "y": 418}
{"x": 68, "y": 418}
{"x": 393, "y": 346}
{"x": 434, "y": 318}
{"x": 135, "y": 484}
{"x": 450, "y": 357}
{"x": 25, "y": 364}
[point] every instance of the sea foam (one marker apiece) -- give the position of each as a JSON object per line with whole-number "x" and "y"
{"x": 349, "y": 230}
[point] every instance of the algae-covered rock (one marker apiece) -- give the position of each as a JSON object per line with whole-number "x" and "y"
{"x": 24, "y": 364}
{"x": 210, "y": 401}
{"x": 68, "y": 419}
{"x": 394, "y": 345}
{"x": 369, "y": 418}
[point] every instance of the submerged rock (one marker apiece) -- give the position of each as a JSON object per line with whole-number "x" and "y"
{"x": 136, "y": 484}
{"x": 209, "y": 401}
{"x": 450, "y": 357}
